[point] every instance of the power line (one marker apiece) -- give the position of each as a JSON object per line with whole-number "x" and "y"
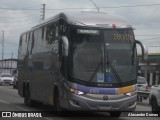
{"x": 151, "y": 38}
{"x": 147, "y": 35}
{"x": 154, "y": 46}
{"x": 142, "y": 5}
{"x": 17, "y": 12}
{"x": 2, "y": 8}
{"x": 145, "y": 5}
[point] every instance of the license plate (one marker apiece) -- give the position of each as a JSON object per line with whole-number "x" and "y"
{"x": 104, "y": 107}
{"x": 6, "y": 83}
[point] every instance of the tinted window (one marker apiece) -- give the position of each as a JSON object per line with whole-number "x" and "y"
{"x": 141, "y": 81}
{"x": 120, "y": 58}
{"x": 6, "y": 75}
{"x": 86, "y": 52}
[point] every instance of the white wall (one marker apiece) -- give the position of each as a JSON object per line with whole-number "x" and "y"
{"x": 8, "y": 66}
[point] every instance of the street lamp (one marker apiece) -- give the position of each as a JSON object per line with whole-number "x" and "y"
{"x": 2, "y": 47}
{"x": 95, "y": 5}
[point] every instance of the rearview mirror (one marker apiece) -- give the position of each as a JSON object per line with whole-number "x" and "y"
{"x": 144, "y": 50}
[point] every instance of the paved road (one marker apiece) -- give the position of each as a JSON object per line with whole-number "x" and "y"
{"x": 11, "y": 101}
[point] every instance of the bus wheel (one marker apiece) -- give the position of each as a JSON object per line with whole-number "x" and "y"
{"x": 57, "y": 100}
{"x": 27, "y": 98}
{"x": 115, "y": 114}
{"x": 154, "y": 105}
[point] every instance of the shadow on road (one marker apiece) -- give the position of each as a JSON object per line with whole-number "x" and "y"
{"x": 47, "y": 111}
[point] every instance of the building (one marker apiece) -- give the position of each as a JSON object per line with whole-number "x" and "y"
{"x": 8, "y": 65}
{"x": 150, "y": 69}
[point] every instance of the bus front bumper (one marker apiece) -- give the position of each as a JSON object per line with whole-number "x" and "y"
{"x": 81, "y": 103}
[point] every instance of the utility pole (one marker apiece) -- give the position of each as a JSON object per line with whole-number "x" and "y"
{"x": 94, "y": 4}
{"x": 11, "y": 62}
{"x": 2, "y": 47}
{"x": 43, "y": 12}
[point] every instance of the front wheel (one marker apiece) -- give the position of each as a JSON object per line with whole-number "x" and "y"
{"x": 154, "y": 106}
{"x": 27, "y": 99}
{"x": 57, "y": 100}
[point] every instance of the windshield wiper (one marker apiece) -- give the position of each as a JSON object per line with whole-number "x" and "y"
{"x": 97, "y": 68}
{"x": 94, "y": 73}
{"x": 113, "y": 69}
{"x": 116, "y": 74}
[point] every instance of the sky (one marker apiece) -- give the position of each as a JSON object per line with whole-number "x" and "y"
{"x": 17, "y": 16}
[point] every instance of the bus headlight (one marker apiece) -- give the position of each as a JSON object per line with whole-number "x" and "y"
{"x": 131, "y": 93}
{"x": 77, "y": 92}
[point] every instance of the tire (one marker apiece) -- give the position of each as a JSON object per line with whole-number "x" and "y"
{"x": 115, "y": 114}
{"x": 57, "y": 107}
{"x": 154, "y": 106}
{"x": 16, "y": 85}
{"x": 27, "y": 98}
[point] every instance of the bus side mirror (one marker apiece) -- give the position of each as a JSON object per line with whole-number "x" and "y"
{"x": 144, "y": 50}
{"x": 65, "y": 45}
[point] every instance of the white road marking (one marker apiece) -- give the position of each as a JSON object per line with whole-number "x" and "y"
{"x": 4, "y": 101}
{"x": 13, "y": 105}
{"x": 21, "y": 108}
{"x": 48, "y": 118}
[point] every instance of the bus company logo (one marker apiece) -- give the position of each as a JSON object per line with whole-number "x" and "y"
{"x": 105, "y": 97}
{"x": 20, "y": 114}
{"x": 6, "y": 114}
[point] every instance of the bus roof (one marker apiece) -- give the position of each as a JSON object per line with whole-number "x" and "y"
{"x": 91, "y": 19}
{"x": 96, "y": 19}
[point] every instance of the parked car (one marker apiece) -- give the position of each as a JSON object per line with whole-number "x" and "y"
{"x": 154, "y": 99}
{"x": 6, "y": 79}
{"x": 142, "y": 84}
{"x": 143, "y": 88}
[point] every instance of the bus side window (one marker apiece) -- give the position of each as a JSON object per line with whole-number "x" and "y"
{"x": 62, "y": 59}
{"x": 62, "y": 27}
{"x": 51, "y": 35}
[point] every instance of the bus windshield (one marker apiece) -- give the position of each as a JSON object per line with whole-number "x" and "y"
{"x": 100, "y": 56}
{"x": 86, "y": 53}
{"x": 120, "y": 63}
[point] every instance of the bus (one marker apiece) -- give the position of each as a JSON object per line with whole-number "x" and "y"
{"x": 84, "y": 61}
